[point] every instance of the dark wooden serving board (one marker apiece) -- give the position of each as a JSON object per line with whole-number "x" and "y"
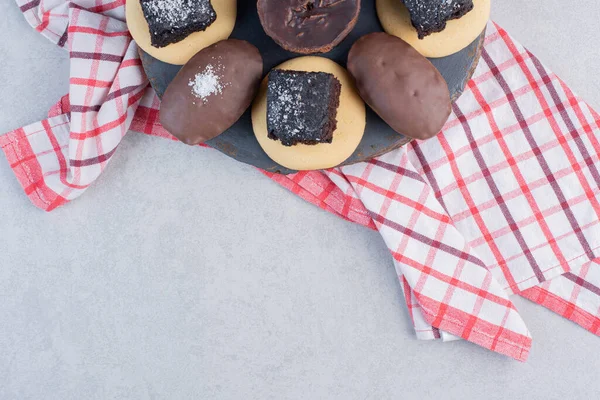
{"x": 239, "y": 141}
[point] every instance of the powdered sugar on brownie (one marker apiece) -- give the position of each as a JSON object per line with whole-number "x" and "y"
{"x": 429, "y": 16}
{"x": 302, "y": 106}
{"x": 288, "y": 104}
{"x": 177, "y": 12}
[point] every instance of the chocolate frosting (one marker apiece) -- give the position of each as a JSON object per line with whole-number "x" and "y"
{"x": 308, "y": 26}
{"x": 212, "y": 91}
{"x": 400, "y": 85}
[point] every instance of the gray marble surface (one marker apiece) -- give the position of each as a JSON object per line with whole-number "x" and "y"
{"x": 173, "y": 278}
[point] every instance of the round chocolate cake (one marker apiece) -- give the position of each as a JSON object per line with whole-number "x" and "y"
{"x": 308, "y": 26}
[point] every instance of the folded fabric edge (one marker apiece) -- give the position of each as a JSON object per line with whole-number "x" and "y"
{"x": 423, "y": 330}
{"x": 63, "y": 106}
{"x": 489, "y": 336}
{"x": 563, "y": 308}
{"x": 23, "y": 160}
{"x": 50, "y": 20}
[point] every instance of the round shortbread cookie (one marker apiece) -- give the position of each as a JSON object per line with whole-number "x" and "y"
{"x": 179, "y": 53}
{"x": 459, "y": 33}
{"x": 351, "y": 122}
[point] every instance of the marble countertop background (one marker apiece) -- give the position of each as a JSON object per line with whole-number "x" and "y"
{"x": 184, "y": 275}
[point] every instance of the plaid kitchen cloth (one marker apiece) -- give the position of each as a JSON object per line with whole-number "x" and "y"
{"x": 505, "y": 201}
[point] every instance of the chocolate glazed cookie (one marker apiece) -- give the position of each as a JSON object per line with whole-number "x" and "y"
{"x": 212, "y": 91}
{"x": 400, "y": 85}
{"x": 308, "y": 26}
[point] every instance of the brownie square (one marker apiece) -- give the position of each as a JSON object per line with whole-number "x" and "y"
{"x": 430, "y": 16}
{"x": 302, "y": 107}
{"x": 171, "y": 21}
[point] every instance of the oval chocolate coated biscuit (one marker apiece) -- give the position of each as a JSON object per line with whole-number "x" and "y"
{"x": 212, "y": 91}
{"x": 400, "y": 85}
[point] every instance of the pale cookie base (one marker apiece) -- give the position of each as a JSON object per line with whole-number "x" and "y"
{"x": 351, "y": 122}
{"x": 180, "y": 53}
{"x": 459, "y": 33}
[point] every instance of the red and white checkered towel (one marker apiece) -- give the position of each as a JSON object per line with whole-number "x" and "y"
{"x": 506, "y": 200}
